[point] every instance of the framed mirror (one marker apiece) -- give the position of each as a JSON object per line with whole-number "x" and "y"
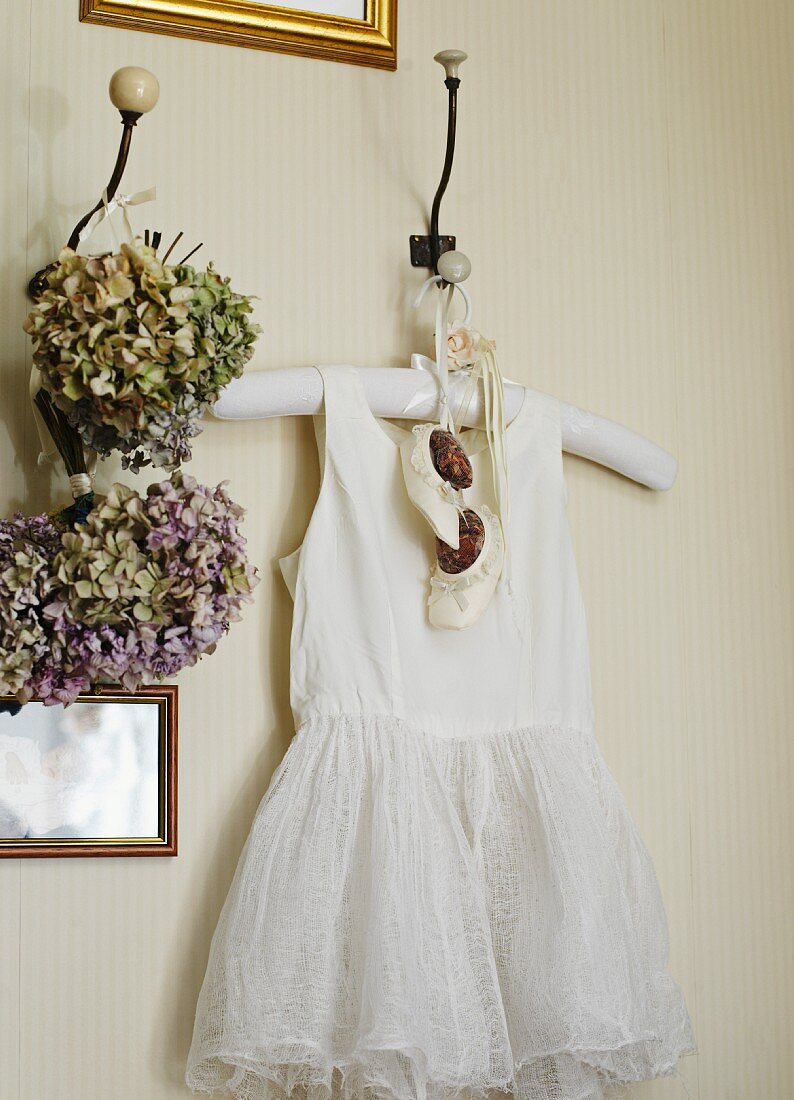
{"x": 97, "y": 778}
{"x": 362, "y": 32}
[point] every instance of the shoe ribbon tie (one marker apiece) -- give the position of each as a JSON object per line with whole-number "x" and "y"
{"x": 449, "y": 588}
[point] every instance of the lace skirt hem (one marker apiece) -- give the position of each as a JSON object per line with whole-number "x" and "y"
{"x": 417, "y": 918}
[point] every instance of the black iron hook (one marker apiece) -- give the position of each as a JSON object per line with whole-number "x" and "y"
{"x": 129, "y": 88}
{"x": 425, "y": 251}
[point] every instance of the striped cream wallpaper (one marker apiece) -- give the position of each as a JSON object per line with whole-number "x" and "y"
{"x": 624, "y": 186}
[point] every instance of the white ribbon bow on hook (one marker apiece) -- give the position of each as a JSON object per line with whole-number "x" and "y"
{"x": 119, "y": 202}
{"x": 429, "y": 366}
{"x": 439, "y": 369}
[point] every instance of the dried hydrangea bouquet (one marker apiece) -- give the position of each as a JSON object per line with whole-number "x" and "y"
{"x": 133, "y": 350}
{"x": 131, "y": 587}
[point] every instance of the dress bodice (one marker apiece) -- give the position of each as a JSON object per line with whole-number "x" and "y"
{"x": 361, "y": 639}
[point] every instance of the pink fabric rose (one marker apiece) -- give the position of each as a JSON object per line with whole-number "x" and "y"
{"x": 463, "y": 345}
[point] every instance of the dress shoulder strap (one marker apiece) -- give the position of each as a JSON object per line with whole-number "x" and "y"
{"x": 544, "y": 411}
{"x": 535, "y": 437}
{"x": 343, "y": 393}
{"x": 345, "y": 421}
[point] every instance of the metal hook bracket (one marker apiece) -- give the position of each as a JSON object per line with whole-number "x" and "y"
{"x": 425, "y": 250}
{"x": 422, "y": 253}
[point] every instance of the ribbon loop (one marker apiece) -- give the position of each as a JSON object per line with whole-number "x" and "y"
{"x": 81, "y": 484}
{"x": 438, "y": 279}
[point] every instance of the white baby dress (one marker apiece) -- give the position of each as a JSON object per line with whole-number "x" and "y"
{"x": 443, "y": 892}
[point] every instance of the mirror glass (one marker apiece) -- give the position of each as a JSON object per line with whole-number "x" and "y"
{"x": 347, "y": 9}
{"x": 90, "y": 770}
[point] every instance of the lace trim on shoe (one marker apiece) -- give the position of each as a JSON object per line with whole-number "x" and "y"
{"x": 423, "y": 463}
{"x": 488, "y": 563}
{"x": 493, "y": 551}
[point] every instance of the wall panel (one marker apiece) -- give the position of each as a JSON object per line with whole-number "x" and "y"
{"x": 14, "y": 449}
{"x": 731, "y": 96}
{"x": 623, "y": 185}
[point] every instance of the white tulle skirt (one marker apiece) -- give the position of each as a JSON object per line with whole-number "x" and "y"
{"x": 417, "y": 918}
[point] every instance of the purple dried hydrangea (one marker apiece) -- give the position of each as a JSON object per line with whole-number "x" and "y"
{"x": 158, "y": 578}
{"x": 35, "y": 662}
{"x": 142, "y": 589}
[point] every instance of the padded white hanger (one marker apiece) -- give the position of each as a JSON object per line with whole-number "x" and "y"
{"x": 394, "y": 393}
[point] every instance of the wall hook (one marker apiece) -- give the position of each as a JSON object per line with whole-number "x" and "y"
{"x": 425, "y": 251}
{"x": 134, "y": 91}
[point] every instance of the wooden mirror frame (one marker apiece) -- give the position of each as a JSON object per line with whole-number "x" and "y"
{"x": 165, "y": 844}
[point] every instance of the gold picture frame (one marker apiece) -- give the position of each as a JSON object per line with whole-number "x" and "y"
{"x": 369, "y": 41}
{"x": 96, "y": 778}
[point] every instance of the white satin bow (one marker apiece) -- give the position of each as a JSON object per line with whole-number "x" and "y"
{"x": 449, "y": 588}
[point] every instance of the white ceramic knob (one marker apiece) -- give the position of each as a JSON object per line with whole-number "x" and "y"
{"x": 454, "y": 267}
{"x": 134, "y": 89}
{"x": 451, "y": 60}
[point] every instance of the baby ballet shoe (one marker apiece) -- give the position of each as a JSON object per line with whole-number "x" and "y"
{"x": 460, "y": 596}
{"x": 435, "y": 468}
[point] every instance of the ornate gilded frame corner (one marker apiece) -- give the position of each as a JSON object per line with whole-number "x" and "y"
{"x": 370, "y": 41}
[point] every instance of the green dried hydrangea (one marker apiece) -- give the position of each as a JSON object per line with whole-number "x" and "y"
{"x": 104, "y": 563}
{"x": 171, "y": 561}
{"x": 21, "y": 631}
{"x": 133, "y": 350}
